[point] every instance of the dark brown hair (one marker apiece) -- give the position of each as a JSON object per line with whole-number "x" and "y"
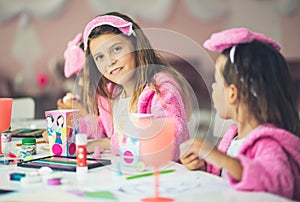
{"x": 263, "y": 79}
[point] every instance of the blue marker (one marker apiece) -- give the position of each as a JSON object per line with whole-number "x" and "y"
{"x": 16, "y": 176}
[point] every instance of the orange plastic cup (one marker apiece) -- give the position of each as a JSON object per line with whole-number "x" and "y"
{"x": 5, "y": 115}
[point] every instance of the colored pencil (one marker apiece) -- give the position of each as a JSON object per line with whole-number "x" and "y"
{"x": 149, "y": 174}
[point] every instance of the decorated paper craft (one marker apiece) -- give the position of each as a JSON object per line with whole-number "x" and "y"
{"x": 62, "y": 127}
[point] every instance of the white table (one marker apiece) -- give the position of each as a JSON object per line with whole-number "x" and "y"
{"x": 181, "y": 185}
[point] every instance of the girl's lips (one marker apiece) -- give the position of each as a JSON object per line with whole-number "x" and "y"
{"x": 116, "y": 70}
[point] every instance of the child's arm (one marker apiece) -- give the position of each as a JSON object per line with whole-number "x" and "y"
{"x": 221, "y": 160}
{"x": 104, "y": 144}
{"x": 190, "y": 155}
{"x": 197, "y": 151}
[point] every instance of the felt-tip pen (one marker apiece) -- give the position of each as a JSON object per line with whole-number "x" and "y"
{"x": 149, "y": 174}
{"x": 37, "y": 142}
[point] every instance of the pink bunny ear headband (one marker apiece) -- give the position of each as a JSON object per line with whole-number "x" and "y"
{"x": 74, "y": 57}
{"x": 124, "y": 26}
{"x": 232, "y": 37}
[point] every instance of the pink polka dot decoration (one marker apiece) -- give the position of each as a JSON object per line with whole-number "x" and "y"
{"x": 72, "y": 148}
{"x": 81, "y": 156}
{"x": 70, "y": 133}
{"x": 57, "y": 149}
{"x": 128, "y": 157}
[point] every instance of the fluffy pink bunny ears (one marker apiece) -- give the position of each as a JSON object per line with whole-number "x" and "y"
{"x": 231, "y": 37}
{"x": 124, "y": 26}
{"x": 75, "y": 56}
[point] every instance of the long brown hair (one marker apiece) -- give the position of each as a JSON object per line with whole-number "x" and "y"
{"x": 147, "y": 59}
{"x": 261, "y": 75}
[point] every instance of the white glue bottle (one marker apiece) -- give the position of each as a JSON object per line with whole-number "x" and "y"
{"x": 81, "y": 153}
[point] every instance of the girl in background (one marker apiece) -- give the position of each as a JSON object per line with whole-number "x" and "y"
{"x": 73, "y": 65}
{"x": 74, "y": 62}
{"x": 253, "y": 87}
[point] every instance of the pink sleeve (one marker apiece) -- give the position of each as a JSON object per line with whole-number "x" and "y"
{"x": 114, "y": 143}
{"x": 265, "y": 168}
{"x": 90, "y": 127}
{"x": 106, "y": 125}
{"x": 168, "y": 104}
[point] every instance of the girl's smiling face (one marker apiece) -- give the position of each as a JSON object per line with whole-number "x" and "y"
{"x": 114, "y": 56}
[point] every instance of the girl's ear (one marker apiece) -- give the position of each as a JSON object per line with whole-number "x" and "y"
{"x": 233, "y": 94}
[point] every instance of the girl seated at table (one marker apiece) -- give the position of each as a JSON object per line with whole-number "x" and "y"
{"x": 124, "y": 73}
{"x": 253, "y": 87}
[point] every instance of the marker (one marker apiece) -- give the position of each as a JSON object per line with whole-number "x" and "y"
{"x": 81, "y": 142}
{"x": 37, "y": 142}
{"x": 16, "y": 176}
{"x": 149, "y": 174}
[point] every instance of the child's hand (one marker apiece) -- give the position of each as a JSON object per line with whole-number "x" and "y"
{"x": 104, "y": 144}
{"x": 70, "y": 96}
{"x": 71, "y": 102}
{"x": 190, "y": 155}
{"x": 63, "y": 105}
{"x": 45, "y": 136}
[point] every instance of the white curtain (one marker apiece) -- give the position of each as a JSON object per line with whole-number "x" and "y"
{"x": 38, "y": 8}
{"x": 26, "y": 47}
{"x": 154, "y": 11}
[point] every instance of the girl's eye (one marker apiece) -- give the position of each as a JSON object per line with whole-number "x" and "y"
{"x": 99, "y": 57}
{"x": 117, "y": 49}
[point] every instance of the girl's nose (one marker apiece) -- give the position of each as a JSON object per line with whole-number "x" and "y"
{"x": 111, "y": 61}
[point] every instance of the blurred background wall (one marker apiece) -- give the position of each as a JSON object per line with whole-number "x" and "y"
{"x": 34, "y": 35}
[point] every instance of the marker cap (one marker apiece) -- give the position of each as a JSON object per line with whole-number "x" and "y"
{"x": 81, "y": 139}
{"x": 81, "y": 170}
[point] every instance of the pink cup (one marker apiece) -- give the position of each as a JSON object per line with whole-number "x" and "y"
{"x": 5, "y": 113}
{"x": 142, "y": 121}
{"x": 5, "y": 116}
{"x": 157, "y": 142}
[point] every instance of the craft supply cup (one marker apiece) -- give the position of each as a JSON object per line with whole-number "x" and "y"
{"x": 141, "y": 120}
{"x": 5, "y": 113}
{"x": 5, "y": 116}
